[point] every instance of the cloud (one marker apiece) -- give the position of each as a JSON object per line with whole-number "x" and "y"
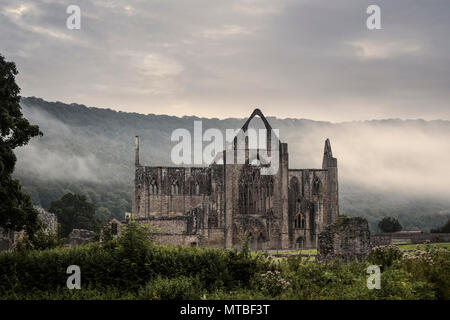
{"x": 51, "y": 165}
{"x": 401, "y": 157}
{"x": 159, "y": 66}
{"x": 303, "y": 59}
{"x": 129, "y": 10}
{"x": 51, "y": 158}
{"x": 18, "y": 11}
{"x": 258, "y": 8}
{"x": 367, "y": 49}
{"x": 18, "y": 15}
{"x": 225, "y": 31}
{"x": 392, "y": 157}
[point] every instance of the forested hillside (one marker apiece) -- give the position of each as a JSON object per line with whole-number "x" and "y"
{"x": 386, "y": 167}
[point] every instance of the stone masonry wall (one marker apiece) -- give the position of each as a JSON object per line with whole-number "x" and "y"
{"x": 347, "y": 238}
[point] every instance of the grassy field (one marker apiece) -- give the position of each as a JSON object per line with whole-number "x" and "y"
{"x": 404, "y": 246}
{"x": 424, "y": 246}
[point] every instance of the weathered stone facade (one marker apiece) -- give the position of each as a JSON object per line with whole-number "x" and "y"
{"x": 218, "y": 204}
{"x": 80, "y": 236}
{"x": 48, "y": 219}
{"x": 9, "y": 239}
{"x": 347, "y": 239}
{"x": 112, "y": 229}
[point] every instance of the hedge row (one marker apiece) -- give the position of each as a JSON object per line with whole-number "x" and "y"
{"x": 113, "y": 265}
{"x": 127, "y": 263}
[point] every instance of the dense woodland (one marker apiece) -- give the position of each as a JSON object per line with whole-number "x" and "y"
{"x": 90, "y": 151}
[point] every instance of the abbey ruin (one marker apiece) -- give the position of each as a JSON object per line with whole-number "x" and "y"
{"x": 219, "y": 204}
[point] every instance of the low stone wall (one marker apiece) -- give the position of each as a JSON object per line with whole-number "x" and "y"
{"x": 171, "y": 225}
{"x": 431, "y": 237}
{"x": 6, "y": 240}
{"x": 214, "y": 238}
{"x": 178, "y": 239}
{"x": 383, "y": 239}
{"x": 380, "y": 239}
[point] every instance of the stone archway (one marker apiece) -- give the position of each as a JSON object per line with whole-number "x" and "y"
{"x": 260, "y": 242}
{"x": 299, "y": 243}
{"x": 251, "y": 242}
{"x": 252, "y": 227}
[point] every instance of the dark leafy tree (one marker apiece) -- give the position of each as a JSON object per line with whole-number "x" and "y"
{"x": 389, "y": 224}
{"x": 74, "y": 212}
{"x": 444, "y": 229}
{"x": 16, "y": 210}
{"x": 40, "y": 241}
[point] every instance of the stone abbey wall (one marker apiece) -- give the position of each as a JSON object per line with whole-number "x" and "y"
{"x": 49, "y": 221}
{"x": 218, "y": 205}
{"x": 347, "y": 239}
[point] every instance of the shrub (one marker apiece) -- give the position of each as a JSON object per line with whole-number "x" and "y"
{"x": 384, "y": 256}
{"x": 398, "y": 284}
{"x": 333, "y": 280}
{"x": 128, "y": 263}
{"x": 431, "y": 265}
{"x": 236, "y": 294}
{"x": 39, "y": 241}
{"x": 63, "y": 293}
{"x": 272, "y": 283}
{"x": 179, "y": 288}
{"x": 132, "y": 267}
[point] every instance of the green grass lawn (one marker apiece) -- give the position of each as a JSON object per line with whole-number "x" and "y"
{"x": 308, "y": 251}
{"x": 294, "y": 252}
{"x": 403, "y": 246}
{"x": 423, "y": 246}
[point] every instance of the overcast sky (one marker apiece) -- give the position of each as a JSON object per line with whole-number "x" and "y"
{"x": 303, "y": 59}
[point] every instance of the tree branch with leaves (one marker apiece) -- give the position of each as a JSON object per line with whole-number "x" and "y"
{"x": 16, "y": 210}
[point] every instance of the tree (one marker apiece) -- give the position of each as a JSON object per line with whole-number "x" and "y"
{"x": 443, "y": 229}
{"x": 389, "y": 224}
{"x": 40, "y": 241}
{"x": 16, "y": 210}
{"x": 74, "y": 212}
{"x": 103, "y": 214}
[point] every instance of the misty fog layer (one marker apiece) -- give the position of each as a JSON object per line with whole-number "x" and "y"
{"x": 398, "y": 159}
{"x": 408, "y": 157}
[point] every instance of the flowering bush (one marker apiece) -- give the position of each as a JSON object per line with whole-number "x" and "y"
{"x": 384, "y": 256}
{"x": 431, "y": 265}
{"x": 417, "y": 254}
{"x": 272, "y": 283}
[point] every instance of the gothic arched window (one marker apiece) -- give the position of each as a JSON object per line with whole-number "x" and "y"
{"x": 271, "y": 187}
{"x": 197, "y": 188}
{"x": 153, "y": 187}
{"x": 243, "y": 197}
{"x": 316, "y": 185}
{"x": 297, "y": 221}
{"x": 174, "y": 187}
{"x": 114, "y": 228}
